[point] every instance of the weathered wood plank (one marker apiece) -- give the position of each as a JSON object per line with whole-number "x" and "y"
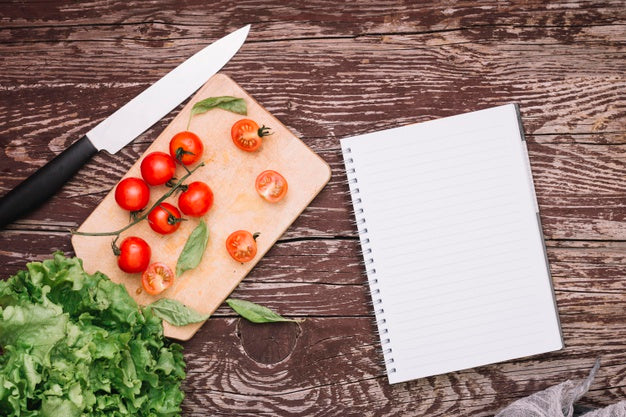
{"x": 580, "y": 189}
{"x": 324, "y": 277}
{"x": 226, "y": 375}
{"x": 328, "y": 79}
{"x": 66, "y": 20}
{"x": 219, "y": 353}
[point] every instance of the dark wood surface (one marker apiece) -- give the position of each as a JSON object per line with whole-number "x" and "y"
{"x": 330, "y": 70}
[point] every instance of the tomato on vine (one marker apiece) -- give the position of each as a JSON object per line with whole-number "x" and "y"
{"x": 164, "y": 219}
{"x": 158, "y": 168}
{"x": 132, "y": 194}
{"x": 133, "y": 254}
{"x": 186, "y": 147}
{"x": 196, "y": 200}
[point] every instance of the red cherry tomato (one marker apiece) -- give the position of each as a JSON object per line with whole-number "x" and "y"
{"x": 164, "y": 219}
{"x": 271, "y": 186}
{"x": 157, "y": 278}
{"x": 186, "y": 147}
{"x": 132, "y": 194}
{"x": 134, "y": 255}
{"x": 158, "y": 168}
{"x": 241, "y": 246}
{"x": 196, "y": 200}
{"x": 247, "y": 135}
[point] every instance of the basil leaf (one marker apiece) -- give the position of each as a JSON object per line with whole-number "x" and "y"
{"x": 195, "y": 246}
{"x": 233, "y": 104}
{"x": 176, "y": 313}
{"x": 255, "y": 313}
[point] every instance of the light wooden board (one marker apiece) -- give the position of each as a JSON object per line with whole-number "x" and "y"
{"x": 230, "y": 173}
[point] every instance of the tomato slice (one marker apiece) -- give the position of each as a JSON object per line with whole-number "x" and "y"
{"x": 271, "y": 186}
{"x": 247, "y": 135}
{"x": 157, "y": 278}
{"x": 241, "y": 245}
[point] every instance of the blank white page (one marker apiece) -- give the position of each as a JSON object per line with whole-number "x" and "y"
{"x": 452, "y": 243}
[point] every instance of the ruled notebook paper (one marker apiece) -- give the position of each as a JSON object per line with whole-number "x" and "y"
{"x": 452, "y": 243}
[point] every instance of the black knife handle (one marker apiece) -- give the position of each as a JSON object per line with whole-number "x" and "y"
{"x": 45, "y": 182}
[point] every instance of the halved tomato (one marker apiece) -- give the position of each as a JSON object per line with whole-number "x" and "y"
{"x": 241, "y": 245}
{"x": 271, "y": 186}
{"x": 157, "y": 278}
{"x": 247, "y": 135}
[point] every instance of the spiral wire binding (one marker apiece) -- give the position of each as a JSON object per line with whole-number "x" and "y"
{"x": 368, "y": 262}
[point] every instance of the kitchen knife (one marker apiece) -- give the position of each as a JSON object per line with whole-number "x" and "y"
{"x": 128, "y": 122}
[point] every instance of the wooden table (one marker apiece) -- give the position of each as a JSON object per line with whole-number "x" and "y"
{"x": 330, "y": 70}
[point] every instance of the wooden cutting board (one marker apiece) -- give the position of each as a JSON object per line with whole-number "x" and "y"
{"x": 231, "y": 174}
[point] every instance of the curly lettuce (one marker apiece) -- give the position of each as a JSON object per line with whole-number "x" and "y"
{"x": 75, "y": 344}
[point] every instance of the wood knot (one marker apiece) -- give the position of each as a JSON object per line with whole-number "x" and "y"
{"x": 268, "y": 343}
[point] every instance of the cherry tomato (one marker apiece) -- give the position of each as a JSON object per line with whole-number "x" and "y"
{"x": 132, "y": 194}
{"x": 271, "y": 186}
{"x": 164, "y": 219}
{"x": 134, "y": 255}
{"x": 247, "y": 135}
{"x": 158, "y": 168}
{"x": 196, "y": 200}
{"x": 241, "y": 246}
{"x": 186, "y": 147}
{"x": 157, "y": 278}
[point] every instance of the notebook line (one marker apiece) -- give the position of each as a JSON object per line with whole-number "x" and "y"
{"x": 456, "y": 261}
{"x": 468, "y": 276}
{"x": 456, "y": 249}
{"x": 408, "y": 183}
{"x": 521, "y": 340}
{"x": 377, "y": 150}
{"x": 465, "y": 296}
{"x": 418, "y": 163}
{"x": 439, "y": 226}
{"x": 490, "y": 320}
{"x": 439, "y": 314}
{"x": 399, "y": 215}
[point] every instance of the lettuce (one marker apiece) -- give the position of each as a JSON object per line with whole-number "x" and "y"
{"x": 74, "y": 344}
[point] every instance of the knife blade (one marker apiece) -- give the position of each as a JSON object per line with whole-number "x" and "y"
{"x": 124, "y": 125}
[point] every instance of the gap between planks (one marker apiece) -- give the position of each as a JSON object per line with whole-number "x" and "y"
{"x": 287, "y": 39}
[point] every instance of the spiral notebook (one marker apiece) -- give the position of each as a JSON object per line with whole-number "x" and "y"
{"x": 452, "y": 243}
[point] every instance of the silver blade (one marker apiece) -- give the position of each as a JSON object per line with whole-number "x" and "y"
{"x": 132, "y": 119}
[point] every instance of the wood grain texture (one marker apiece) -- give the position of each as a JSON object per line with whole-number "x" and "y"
{"x": 328, "y": 71}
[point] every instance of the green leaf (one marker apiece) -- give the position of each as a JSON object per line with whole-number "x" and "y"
{"x": 195, "y": 246}
{"x": 176, "y": 313}
{"x": 256, "y": 313}
{"x": 75, "y": 344}
{"x": 233, "y": 104}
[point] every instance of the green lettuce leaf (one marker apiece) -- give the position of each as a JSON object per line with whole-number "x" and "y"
{"x": 75, "y": 344}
